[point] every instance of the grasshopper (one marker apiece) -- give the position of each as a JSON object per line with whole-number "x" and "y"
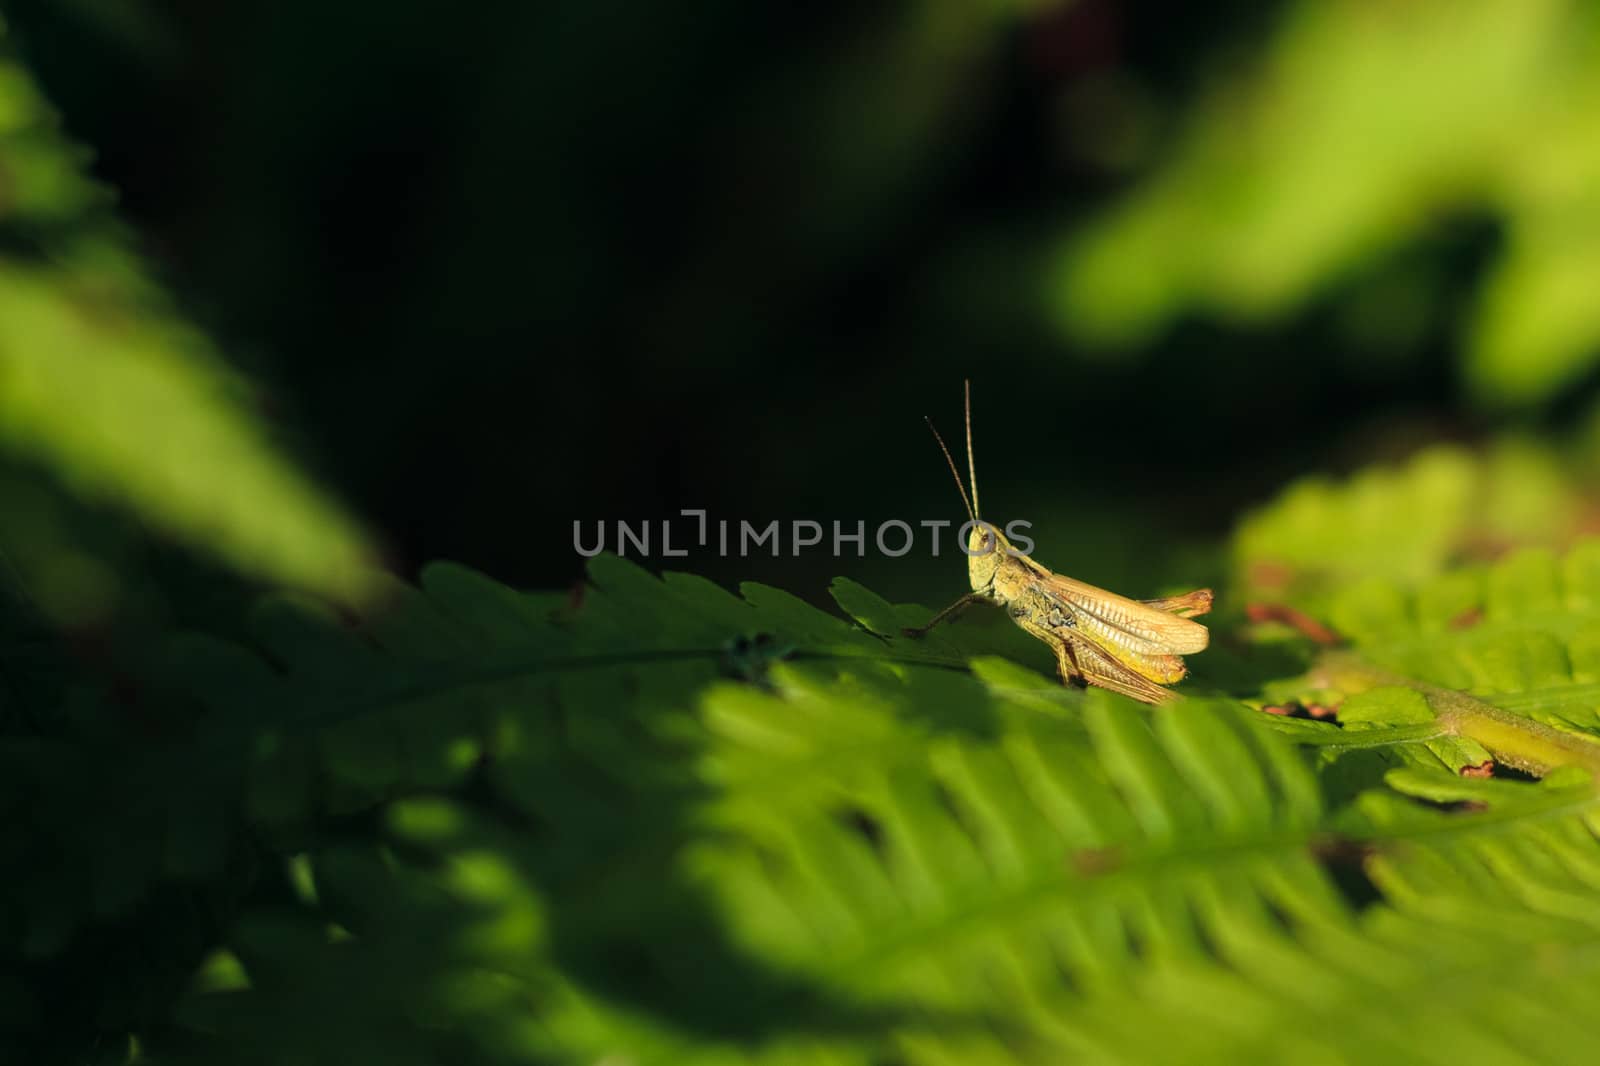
{"x": 1099, "y": 638}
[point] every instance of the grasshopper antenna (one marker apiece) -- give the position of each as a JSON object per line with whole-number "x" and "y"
{"x": 953, "y": 471}
{"x": 972, "y": 470}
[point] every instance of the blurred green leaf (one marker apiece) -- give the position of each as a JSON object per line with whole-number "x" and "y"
{"x": 102, "y": 383}
{"x": 1329, "y": 546}
{"x": 1358, "y": 129}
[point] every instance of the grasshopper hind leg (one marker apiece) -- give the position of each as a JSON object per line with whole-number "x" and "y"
{"x": 1082, "y": 664}
{"x": 1185, "y": 606}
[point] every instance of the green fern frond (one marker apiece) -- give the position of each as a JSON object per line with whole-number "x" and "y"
{"x": 654, "y": 821}
{"x": 1428, "y": 518}
{"x": 673, "y": 842}
{"x": 105, "y": 385}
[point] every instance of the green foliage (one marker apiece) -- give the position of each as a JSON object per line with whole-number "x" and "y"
{"x": 104, "y": 385}
{"x": 1327, "y": 546}
{"x": 657, "y": 822}
{"x": 1356, "y": 131}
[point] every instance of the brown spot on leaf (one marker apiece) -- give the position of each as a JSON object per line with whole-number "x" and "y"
{"x": 1334, "y": 848}
{"x": 1482, "y": 769}
{"x": 1483, "y": 546}
{"x": 1296, "y": 709}
{"x": 1467, "y": 619}
{"x": 1092, "y": 862}
{"x": 1587, "y": 521}
{"x": 1297, "y": 620}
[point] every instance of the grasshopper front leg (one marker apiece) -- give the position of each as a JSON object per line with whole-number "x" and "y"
{"x": 945, "y": 615}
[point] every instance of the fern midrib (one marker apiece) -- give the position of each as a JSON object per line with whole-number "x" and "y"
{"x": 446, "y": 683}
{"x": 1027, "y": 898}
{"x": 1513, "y": 739}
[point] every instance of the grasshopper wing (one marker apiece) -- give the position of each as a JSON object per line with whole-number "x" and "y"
{"x": 1142, "y": 628}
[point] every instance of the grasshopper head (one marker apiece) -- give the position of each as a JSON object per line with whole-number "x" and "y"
{"x": 987, "y": 549}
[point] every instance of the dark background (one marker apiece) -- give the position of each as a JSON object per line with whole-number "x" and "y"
{"x": 498, "y": 267}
